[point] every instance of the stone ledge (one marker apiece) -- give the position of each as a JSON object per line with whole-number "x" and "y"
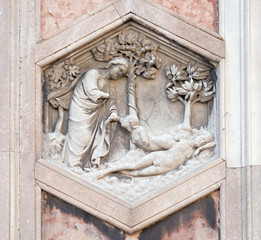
{"x": 115, "y": 211}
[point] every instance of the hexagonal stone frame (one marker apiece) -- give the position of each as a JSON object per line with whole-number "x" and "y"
{"x": 129, "y": 217}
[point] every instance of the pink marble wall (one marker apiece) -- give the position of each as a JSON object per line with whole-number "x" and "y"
{"x": 198, "y": 221}
{"x": 62, "y": 221}
{"x": 57, "y": 14}
{"x": 203, "y": 12}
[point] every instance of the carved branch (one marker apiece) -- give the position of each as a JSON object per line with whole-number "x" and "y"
{"x": 141, "y": 54}
{"x": 189, "y": 84}
{"x": 62, "y": 78}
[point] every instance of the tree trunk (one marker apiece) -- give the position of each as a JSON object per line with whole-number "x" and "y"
{"x": 187, "y": 116}
{"x": 59, "y": 124}
{"x": 132, "y": 102}
{"x": 132, "y": 96}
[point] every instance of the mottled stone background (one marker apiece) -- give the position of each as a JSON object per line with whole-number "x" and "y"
{"x": 198, "y": 221}
{"x": 58, "y": 14}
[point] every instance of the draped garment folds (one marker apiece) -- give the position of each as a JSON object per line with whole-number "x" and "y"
{"x": 88, "y": 137}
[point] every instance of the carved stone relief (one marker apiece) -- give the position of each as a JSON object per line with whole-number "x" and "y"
{"x": 131, "y": 111}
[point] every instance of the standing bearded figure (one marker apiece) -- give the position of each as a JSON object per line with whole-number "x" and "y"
{"x": 92, "y": 117}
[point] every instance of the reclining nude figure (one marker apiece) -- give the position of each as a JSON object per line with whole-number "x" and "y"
{"x": 167, "y": 154}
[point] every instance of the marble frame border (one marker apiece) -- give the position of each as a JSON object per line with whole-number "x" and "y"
{"x": 128, "y": 217}
{"x": 194, "y": 38}
{"x": 188, "y": 34}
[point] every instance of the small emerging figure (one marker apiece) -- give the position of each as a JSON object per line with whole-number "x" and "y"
{"x": 160, "y": 162}
{"x": 141, "y": 138}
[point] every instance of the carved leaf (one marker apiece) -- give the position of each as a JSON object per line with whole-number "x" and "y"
{"x": 169, "y": 85}
{"x": 101, "y": 48}
{"x": 194, "y": 68}
{"x": 145, "y": 43}
{"x": 207, "y": 85}
{"x": 174, "y": 69}
{"x": 73, "y": 71}
{"x": 60, "y": 77}
{"x": 210, "y": 83}
{"x": 98, "y": 55}
{"x": 205, "y": 97}
{"x": 182, "y": 75}
{"x": 172, "y": 94}
{"x": 132, "y": 37}
{"x": 196, "y": 86}
{"x": 122, "y": 39}
{"x": 150, "y": 73}
{"x": 140, "y": 70}
{"x": 189, "y": 68}
{"x": 168, "y": 72}
{"x": 158, "y": 62}
{"x": 181, "y": 91}
{"x": 187, "y": 86}
{"x": 208, "y": 88}
{"x": 200, "y": 75}
{"x": 200, "y": 86}
{"x": 135, "y": 47}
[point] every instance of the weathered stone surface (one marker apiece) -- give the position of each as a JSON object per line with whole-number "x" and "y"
{"x": 56, "y": 15}
{"x": 129, "y": 218}
{"x": 61, "y": 221}
{"x": 233, "y": 190}
{"x": 198, "y": 221}
{"x": 203, "y": 12}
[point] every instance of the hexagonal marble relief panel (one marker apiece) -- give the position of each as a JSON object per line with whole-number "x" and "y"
{"x": 130, "y": 130}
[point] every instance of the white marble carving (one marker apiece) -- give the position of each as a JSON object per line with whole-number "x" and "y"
{"x": 91, "y": 116}
{"x": 189, "y": 84}
{"x": 84, "y": 145}
{"x": 174, "y": 152}
{"x": 142, "y": 57}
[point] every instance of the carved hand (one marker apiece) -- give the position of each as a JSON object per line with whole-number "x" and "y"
{"x": 112, "y": 118}
{"x": 105, "y": 95}
{"x": 102, "y": 97}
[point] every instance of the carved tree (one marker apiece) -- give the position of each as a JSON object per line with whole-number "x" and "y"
{"x": 61, "y": 80}
{"x": 189, "y": 84}
{"x": 141, "y": 54}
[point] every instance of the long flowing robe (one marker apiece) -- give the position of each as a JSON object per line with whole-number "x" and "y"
{"x": 88, "y": 137}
